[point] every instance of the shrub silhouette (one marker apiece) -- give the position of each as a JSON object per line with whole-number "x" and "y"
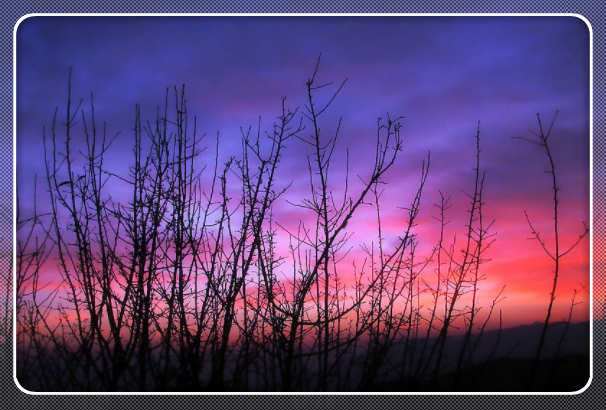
{"x": 182, "y": 285}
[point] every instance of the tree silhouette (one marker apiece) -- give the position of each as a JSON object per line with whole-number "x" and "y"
{"x": 191, "y": 280}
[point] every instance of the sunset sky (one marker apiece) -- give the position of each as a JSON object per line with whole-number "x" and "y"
{"x": 443, "y": 74}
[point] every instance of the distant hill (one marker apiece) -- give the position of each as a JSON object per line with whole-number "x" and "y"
{"x": 506, "y": 366}
{"x": 521, "y": 341}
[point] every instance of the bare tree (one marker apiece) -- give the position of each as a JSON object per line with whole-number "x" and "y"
{"x": 190, "y": 279}
{"x": 557, "y": 252}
